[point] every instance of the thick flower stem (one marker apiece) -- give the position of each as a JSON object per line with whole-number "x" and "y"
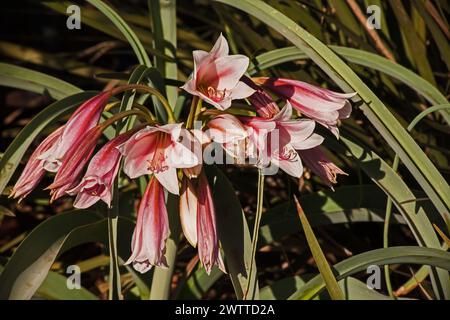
{"x": 153, "y": 91}
{"x": 259, "y": 209}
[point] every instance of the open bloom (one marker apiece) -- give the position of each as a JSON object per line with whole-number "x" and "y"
{"x": 317, "y": 161}
{"x": 81, "y": 121}
{"x": 276, "y": 139}
{"x": 152, "y": 229}
{"x": 160, "y": 150}
{"x": 324, "y": 106}
{"x": 77, "y": 156}
{"x": 100, "y": 174}
{"x": 216, "y": 76}
{"x": 34, "y": 169}
{"x": 228, "y": 131}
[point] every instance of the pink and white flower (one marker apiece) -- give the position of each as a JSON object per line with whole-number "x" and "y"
{"x": 228, "y": 131}
{"x": 82, "y": 120}
{"x": 160, "y": 150}
{"x": 77, "y": 156}
{"x": 100, "y": 174}
{"x": 152, "y": 230}
{"x": 322, "y": 105}
{"x": 207, "y": 237}
{"x": 216, "y": 76}
{"x": 261, "y": 100}
{"x": 277, "y": 138}
{"x": 34, "y": 170}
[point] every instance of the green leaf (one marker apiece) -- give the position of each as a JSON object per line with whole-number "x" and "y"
{"x": 322, "y": 264}
{"x": 55, "y": 287}
{"x": 347, "y": 204}
{"x": 163, "y": 14}
{"x": 198, "y": 283}
{"x": 14, "y": 153}
{"x": 379, "y": 257}
{"x": 34, "y": 81}
{"x": 125, "y": 29}
{"x": 234, "y": 235}
{"x": 30, "y": 263}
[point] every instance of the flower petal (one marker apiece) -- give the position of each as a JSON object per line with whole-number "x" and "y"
{"x": 169, "y": 179}
{"x": 188, "y": 211}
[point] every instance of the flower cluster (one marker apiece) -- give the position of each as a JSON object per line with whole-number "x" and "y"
{"x": 172, "y": 154}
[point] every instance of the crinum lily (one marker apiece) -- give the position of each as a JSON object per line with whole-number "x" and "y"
{"x": 160, "y": 150}
{"x": 216, "y": 76}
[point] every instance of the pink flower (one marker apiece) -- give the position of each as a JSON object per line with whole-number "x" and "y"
{"x": 152, "y": 229}
{"x": 101, "y": 172}
{"x": 216, "y": 75}
{"x": 261, "y": 100}
{"x": 34, "y": 169}
{"x": 276, "y": 139}
{"x": 198, "y": 219}
{"x": 324, "y": 106}
{"x": 207, "y": 238}
{"x": 228, "y": 131}
{"x": 83, "y": 119}
{"x": 160, "y": 150}
{"x": 77, "y": 156}
{"x": 317, "y": 161}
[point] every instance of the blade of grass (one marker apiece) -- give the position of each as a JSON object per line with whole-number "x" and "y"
{"x": 322, "y": 264}
{"x": 393, "y": 255}
{"x": 125, "y": 29}
{"x": 34, "y": 81}
{"x": 259, "y": 210}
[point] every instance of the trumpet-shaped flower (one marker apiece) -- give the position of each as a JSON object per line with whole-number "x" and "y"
{"x": 228, "y": 131}
{"x": 100, "y": 174}
{"x": 324, "y": 106}
{"x": 276, "y": 139}
{"x": 216, "y": 76}
{"x": 188, "y": 210}
{"x": 34, "y": 169}
{"x": 160, "y": 150}
{"x": 207, "y": 238}
{"x": 152, "y": 229}
{"x": 77, "y": 156}
{"x": 81, "y": 121}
